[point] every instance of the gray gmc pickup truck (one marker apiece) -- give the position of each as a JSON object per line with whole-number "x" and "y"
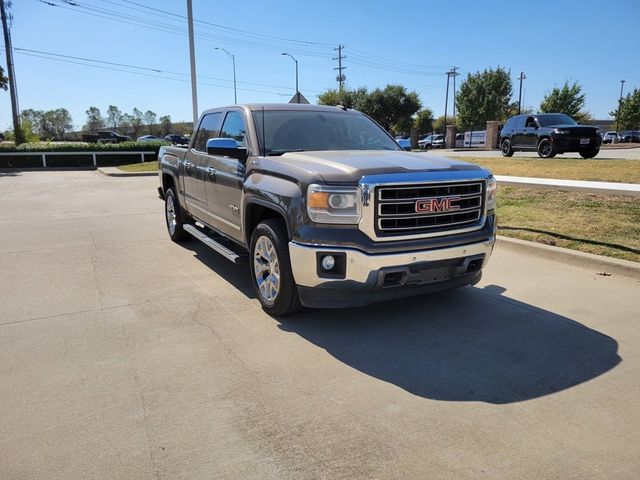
{"x": 326, "y": 207}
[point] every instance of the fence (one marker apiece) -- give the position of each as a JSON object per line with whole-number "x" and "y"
{"x": 93, "y": 155}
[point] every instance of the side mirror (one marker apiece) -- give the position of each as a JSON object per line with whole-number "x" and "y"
{"x": 227, "y": 147}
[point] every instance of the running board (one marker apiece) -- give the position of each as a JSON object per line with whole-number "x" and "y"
{"x": 211, "y": 243}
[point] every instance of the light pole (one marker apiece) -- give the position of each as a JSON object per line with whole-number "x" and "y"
{"x": 619, "y": 107}
{"x": 446, "y": 101}
{"x": 233, "y": 60}
{"x": 297, "y": 90}
{"x": 521, "y": 78}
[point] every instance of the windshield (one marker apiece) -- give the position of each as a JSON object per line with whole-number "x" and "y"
{"x": 555, "y": 119}
{"x": 308, "y": 130}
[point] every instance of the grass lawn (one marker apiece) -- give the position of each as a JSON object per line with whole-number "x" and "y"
{"x": 626, "y": 171}
{"x": 140, "y": 167}
{"x": 601, "y": 224}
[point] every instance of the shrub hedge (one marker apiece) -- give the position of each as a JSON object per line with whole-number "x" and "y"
{"x": 83, "y": 147}
{"x": 35, "y": 161}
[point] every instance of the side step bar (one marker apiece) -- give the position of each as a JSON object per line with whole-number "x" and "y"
{"x": 211, "y": 243}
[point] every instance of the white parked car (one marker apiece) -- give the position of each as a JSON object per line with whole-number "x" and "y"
{"x": 609, "y": 137}
{"x": 150, "y": 138}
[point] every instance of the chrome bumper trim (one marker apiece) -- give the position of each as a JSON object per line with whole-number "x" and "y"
{"x": 362, "y": 268}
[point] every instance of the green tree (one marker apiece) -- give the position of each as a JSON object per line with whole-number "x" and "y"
{"x": 438, "y": 123}
{"x": 150, "y": 120}
{"x": 423, "y": 121}
{"x": 126, "y": 123}
{"x": 137, "y": 120}
{"x": 568, "y": 100}
{"x": 58, "y": 122}
{"x": 94, "y": 120}
{"x": 390, "y": 106}
{"x": 114, "y": 116}
{"x": 628, "y": 113}
{"x": 4, "y": 81}
{"x": 36, "y": 121}
{"x": 484, "y": 96}
{"x": 346, "y": 98}
{"x": 165, "y": 125}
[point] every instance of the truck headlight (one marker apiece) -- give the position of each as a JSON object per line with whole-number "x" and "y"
{"x": 491, "y": 193}
{"x": 327, "y": 204}
{"x": 562, "y": 131}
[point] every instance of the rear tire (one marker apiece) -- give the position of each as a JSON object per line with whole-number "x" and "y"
{"x": 175, "y": 217}
{"x": 546, "y": 149}
{"x": 505, "y": 146}
{"x": 270, "y": 267}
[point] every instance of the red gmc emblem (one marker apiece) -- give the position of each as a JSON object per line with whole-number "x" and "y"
{"x": 445, "y": 204}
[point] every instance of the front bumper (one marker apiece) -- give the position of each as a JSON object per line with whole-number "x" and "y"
{"x": 367, "y": 278}
{"x": 572, "y": 143}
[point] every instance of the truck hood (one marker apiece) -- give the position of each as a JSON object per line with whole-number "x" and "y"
{"x": 339, "y": 166}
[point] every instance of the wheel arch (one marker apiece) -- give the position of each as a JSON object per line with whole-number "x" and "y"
{"x": 256, "y": 210}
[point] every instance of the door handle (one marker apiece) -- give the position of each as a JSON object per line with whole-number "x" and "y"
{"x": 211, "y": 171}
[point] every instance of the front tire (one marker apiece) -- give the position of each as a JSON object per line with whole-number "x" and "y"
{"x": 589, "y": 153}
{"x": 175, "y": 217}
{"x": 271, "y": 272}
{"x": 546, "y": 149}
{"x": 505, "y": 146}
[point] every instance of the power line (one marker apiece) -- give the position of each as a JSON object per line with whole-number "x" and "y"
{"x": 126, "y": 18}
{"x": 137, "y": 67}
{"x": 163, "y": 77}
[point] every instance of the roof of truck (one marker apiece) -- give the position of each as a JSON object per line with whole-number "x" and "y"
{"x": 285, "y": 106}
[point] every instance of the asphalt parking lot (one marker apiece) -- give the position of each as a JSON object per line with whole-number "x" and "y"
{"x": 126, "y": 356}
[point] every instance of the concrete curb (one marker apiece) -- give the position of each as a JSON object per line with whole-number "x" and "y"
{"x": 606, "y": 188}
{"x": 116, "y": 172}
{"x": 597, "y": 263}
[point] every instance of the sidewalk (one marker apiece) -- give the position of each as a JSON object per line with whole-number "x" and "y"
{"x": 610, "y": 188}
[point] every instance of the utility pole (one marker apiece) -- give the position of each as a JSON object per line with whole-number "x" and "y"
{"x": 192, "y": 57}
{"x": 446, "y": 102}
{"x": 233, "y": 61}
{"x": 340, "y": 78}
{"x": 454, "y": 73}
{"x": 521, "y": 78}
{"x": 619, "y": 107}
{"x": 11, "y": 74}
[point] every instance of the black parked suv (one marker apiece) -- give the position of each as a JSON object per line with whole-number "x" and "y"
{"x": 548, "y": 134}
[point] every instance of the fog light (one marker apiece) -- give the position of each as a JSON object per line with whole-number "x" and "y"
{"x": 328, "y": 262}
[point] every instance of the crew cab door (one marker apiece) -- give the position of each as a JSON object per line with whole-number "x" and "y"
{"x": 517, "y": 132}
{"x": 194, "y": 167}
{"x": 224, "y": 186}
{"x": 530, "y": 133}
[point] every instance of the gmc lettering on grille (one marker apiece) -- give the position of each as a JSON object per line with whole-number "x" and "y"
{"x": 445, "y": 204}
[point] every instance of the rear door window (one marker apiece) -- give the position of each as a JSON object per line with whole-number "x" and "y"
{"x": 209, "y": 128}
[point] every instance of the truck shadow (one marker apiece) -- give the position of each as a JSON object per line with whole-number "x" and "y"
{"x": 472, "y": 344}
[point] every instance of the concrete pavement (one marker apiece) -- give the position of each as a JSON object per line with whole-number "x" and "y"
{"x": 125, "y": 356}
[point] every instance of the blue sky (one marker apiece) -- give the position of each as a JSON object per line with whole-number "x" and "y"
{"x": 593, "y": 42}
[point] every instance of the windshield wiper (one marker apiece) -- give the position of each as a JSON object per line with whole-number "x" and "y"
{"x": 277, "y": 153}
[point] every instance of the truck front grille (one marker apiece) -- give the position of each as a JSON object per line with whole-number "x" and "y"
{"x": 415, "y": 209}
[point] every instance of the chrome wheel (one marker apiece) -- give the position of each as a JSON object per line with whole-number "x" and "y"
{"x": 171, "y": 215}
{"x": 506, "y": 146}
{"x": 266, "y": 268}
